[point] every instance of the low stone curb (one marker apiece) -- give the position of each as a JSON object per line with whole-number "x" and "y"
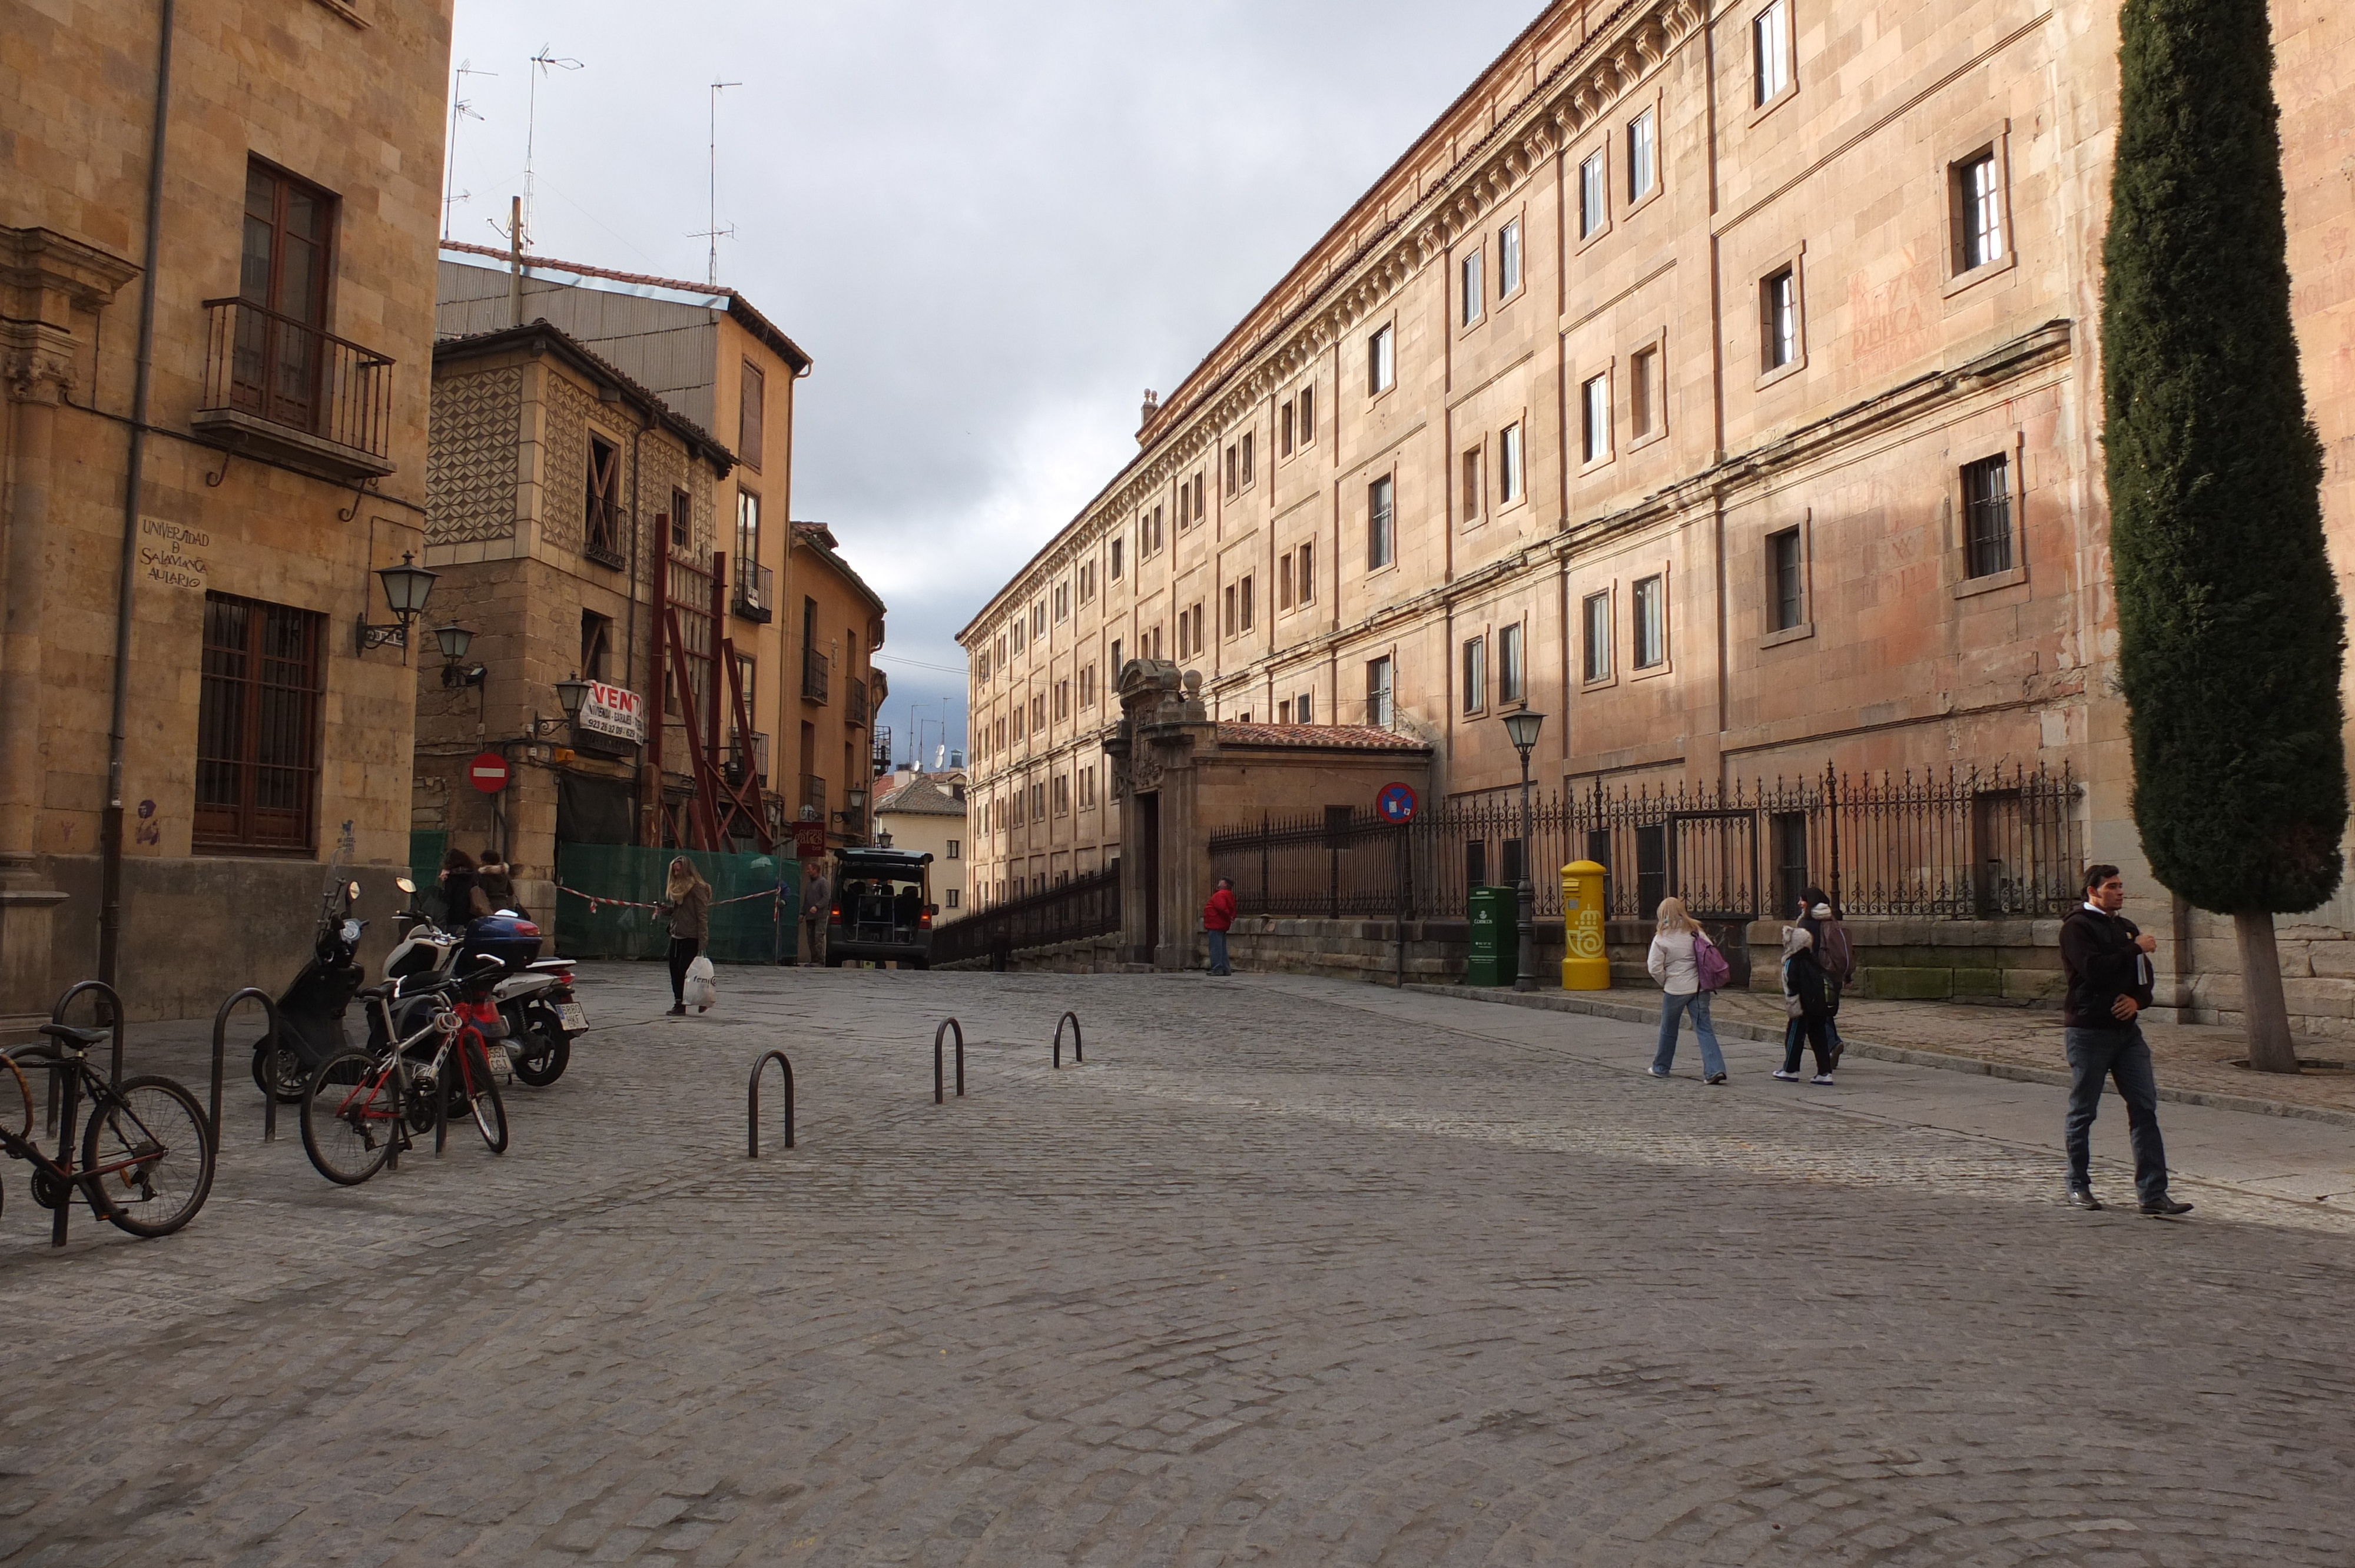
{"x": 1629, "y": 1012}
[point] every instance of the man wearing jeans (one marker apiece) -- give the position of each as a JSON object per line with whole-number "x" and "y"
{"x": 1218, "y": 914}
{"x": 2109, "y": 965}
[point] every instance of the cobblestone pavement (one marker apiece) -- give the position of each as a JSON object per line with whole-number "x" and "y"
{"x": 1290, "y": 1272}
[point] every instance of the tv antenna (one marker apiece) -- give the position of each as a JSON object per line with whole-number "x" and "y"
{"x": 545, "y": 62}
{"x": 715, "y": 232}
{"x": 459, "y": 107}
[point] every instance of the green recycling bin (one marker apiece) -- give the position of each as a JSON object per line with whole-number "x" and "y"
{"x": 1496, "y": 953}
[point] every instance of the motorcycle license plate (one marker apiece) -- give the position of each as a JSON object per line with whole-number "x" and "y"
{"x": 571, "y": 1016}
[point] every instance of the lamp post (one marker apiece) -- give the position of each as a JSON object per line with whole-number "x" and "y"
{"x": 407, "y": 587}
{"x": 1523, "y": 727}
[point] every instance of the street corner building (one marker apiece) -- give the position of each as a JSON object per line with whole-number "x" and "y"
{"x": 654, "y": 656}
{"x": 217, "y": 248}
{"x": 1718, "y": 380}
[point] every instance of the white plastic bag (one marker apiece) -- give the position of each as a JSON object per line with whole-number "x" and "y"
{"x": 698, "y": 993}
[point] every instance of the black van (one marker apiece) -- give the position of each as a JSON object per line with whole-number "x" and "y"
{"x": 882, "y": 908}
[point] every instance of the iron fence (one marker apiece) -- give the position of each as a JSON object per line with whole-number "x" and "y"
{"x": 1960, "y": 844}
{"x": 1084, "y": 906}
{"x": 274, "y": 367}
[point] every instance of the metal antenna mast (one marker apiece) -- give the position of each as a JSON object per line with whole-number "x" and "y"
{"x": 458, "y": 106}
{"x": 544, "y": 61}
{"x": 715, "y": 231}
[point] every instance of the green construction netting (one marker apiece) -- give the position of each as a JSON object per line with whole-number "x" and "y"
{"x": 425, "y": 852}
{"x": 750, "y": 932}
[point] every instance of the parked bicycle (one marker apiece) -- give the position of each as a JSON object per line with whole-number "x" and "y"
{"x": 146, "y": 1151}
{"x": 362, "y": 1108}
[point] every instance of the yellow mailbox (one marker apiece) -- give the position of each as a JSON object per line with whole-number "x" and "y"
{"x": 1585, "y": 966}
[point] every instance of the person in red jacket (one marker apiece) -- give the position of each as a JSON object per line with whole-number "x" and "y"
{"x": 1217, "y": 916}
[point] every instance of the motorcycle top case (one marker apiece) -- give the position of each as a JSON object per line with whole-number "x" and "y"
{"x": 510, "y": 938}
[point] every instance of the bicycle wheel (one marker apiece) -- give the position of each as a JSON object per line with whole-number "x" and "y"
{"x": 154, "y": 1135}
{"x": 490, "y": 1111}
{"x": 351, "y": 1115}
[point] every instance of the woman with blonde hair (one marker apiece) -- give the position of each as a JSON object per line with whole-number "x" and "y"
{"x": 687, "y": 905}
{"x": 1675, "y": 962}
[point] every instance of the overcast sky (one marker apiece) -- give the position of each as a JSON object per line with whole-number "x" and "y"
{"x": 992, "y": 223}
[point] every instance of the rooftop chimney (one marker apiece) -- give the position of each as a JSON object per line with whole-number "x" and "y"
{"x": 1152, "y": 405}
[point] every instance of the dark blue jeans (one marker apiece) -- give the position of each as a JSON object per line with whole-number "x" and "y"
{"x": 2120, "y": 1054}
{"x": 1218, "y": 953}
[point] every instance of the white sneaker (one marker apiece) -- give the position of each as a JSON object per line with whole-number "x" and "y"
{"x": 1657, "y": 1072}
{"x": 1823, "y": 1079}
{"x": 1786, "y": 1078}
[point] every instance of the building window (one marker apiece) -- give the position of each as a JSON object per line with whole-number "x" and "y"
{"x": 952, "y": 899}
{"x": 1595, "y": 419}
{"x": 1770, "y": 45}
{"x": 258, "y": 726}
{"x": 1234, "y": 469}
{"x": 1307, "y": 577}
{"x": 1508, "y": 464}
{"x": 748, "y": 417}
{"x": 1251, "y": 459}
{"x": 1381, "y": 537}
{"x": 1062, "y": 795}
{"x": 1508, "y": 260}
{"x": 1473, "y": 287}
{"x": 596, "y": 643}
{"x": 1476, "y": 674}
{"x": 1643, "y": 157}
{"x": 1778, "y": 318}
{"x": 1062, "y": 699}
{"x": 1038, "y": 712}
{"x": 1592, "y": 195}
{"x": 1038, "y": 619}
{"x": 1382, "y": 361}
{"x": 1287, "y": 429}
{"x": 1474, "y": 489}
{"x": 1978, "y": 212}
{"x": 1245, "y": 622}
{"x": 1307, "y": 415}
{"x": 1651, "y": 623}
{"x": 1986, "y": 515}
{"x": 1786, "y": 582}
{"x": 747, "y": 533}
{"x": 682, "y": 521}
{"x": 1283, "y": 582}
{"x": 1283, "y": 711}
{"x": 1594, "y": 617}
{"x": 1116, "y": 566}
{"x": 276, "y": 369}
{"x": 1377, "y": 693}
{"x": 1227, "y": 616}
{"x": 1088, "y": 686}
{"x": 1643, "y": 379}
{"x": 1114, "y": 665}
{"x": 1196, "y": 516}
{"x": 1304, "y": 709}
{"x": 1062, "y": 601}
{"x": 1087, "y": 787}
{"x": 1512, "y": 678}
{"x": 602, "y": 527}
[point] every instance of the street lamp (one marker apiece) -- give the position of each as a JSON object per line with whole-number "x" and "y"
{"x": 454, "y": 641}
{"x": 407, "y": 587}
{"x": 571, "y": 694}
{"x": 1522, "y": 727}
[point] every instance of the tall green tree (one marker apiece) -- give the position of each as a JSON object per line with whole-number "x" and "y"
{"x": 2230, "y": 632}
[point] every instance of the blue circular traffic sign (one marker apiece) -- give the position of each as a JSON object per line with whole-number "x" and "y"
{"x": 1396, "y": 803}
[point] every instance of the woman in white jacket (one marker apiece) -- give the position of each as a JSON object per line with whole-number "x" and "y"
{"x": 1672, "y": 964}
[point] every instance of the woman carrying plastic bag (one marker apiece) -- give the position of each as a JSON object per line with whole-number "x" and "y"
{"x": 687, "y": 905}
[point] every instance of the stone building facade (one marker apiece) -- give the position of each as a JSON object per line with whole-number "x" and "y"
{"x": 280, "y": 461}
{"x": 532, "y": 435}
{"x": 1719, "y": 378}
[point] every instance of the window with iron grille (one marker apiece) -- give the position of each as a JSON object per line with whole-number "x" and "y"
{"x": 1986, "y": 515}
{"x": 258, "y": 727}
{"x": 602, "y": 531}
{"x": 1786, "y": 584}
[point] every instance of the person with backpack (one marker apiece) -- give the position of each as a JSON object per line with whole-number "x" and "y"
{"x": 1688, "y": 967}
{"x": 1803, "y": 998}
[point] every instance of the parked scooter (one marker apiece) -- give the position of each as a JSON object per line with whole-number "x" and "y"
{"x": 311, "y": 1009}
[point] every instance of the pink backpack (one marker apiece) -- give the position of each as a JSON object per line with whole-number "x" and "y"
{"x": 1715, "y": 972}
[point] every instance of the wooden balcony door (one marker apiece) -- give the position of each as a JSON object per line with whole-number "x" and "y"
{"x": 279, "y": 358}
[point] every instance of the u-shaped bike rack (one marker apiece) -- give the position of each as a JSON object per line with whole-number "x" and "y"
{"x": 220, "y": 1045}
{"x": 1079, "y": 1053}
{"x": 938, "y": 1035}
{"x": 752, "y": 1103}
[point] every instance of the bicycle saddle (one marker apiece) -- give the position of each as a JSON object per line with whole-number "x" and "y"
{"x": 378, "y": 992}
{"x": 69, "y": 1034}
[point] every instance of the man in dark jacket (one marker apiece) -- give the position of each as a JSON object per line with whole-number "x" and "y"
{"x": 2108, "y": 966}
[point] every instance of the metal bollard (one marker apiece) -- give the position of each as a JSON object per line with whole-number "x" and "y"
{"x": 937, "y": 1036}
{"x": 221, "y": 1046}
{"x": 752, "y": 1103}
{"x": 1078, "y": 1053}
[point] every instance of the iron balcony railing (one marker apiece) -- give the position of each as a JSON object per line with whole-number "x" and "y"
{"x": 813, "y": 793}
{"x": 734, "y": 762}
{"x": 1958, "y": 845}
{"x": 855, "y": 709}
{"x": 755, "y": 592}
{"x": 1085, "y": 906}
{"x": 287, "y": 373}
{"x": 813, "y": 674}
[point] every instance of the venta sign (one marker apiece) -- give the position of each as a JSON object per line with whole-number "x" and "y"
{"x": 610, "y": 710}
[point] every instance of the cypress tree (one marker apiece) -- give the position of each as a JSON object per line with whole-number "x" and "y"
{"x": 2230, "y": 634}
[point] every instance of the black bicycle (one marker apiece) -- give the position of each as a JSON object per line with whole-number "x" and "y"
{"x": 146, "y": 1151}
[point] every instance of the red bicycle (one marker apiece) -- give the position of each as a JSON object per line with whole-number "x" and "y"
{"x": 361, "y": 1108}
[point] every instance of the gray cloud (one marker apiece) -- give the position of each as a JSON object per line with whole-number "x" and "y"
{"x": 992, "y": 223}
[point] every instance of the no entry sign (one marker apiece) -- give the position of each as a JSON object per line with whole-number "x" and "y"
{"x": 1396, "y": 803}
{"x": 489, "y": 772}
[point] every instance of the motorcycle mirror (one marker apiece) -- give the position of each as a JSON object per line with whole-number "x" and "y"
{"x": 404, "y": 885}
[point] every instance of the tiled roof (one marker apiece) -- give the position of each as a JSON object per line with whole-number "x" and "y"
{"x": 1317, "y": 736}
{"x": 925, "y": 796}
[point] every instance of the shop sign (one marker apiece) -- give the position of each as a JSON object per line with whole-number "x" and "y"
{"x": 610, "y": 710}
